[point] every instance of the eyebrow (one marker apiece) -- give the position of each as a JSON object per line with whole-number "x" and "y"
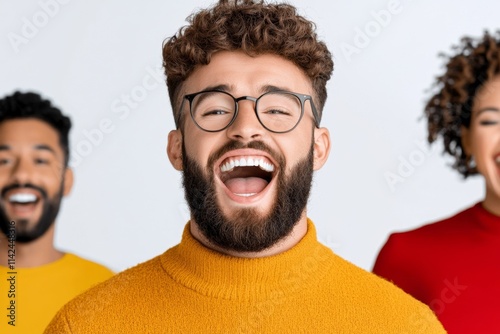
{"x": 488, "y": 109}
{"x": 272, "y": 88}
{"x": 43, "y": 147}
{"x": 40, "y": 147}
{"x": 262, "y": 90}
{"x": 222, "y": 88}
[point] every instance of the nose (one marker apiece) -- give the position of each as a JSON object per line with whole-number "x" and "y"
{"x": 246, "y": 127}
{"x": 22, "y": 171}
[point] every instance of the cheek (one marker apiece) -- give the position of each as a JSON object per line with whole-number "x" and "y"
{"x": 199, "y": 148}
{"x": 52, "y": 189}
{"x": 3, "y": 182}
{"x": 484, "y": 140}
{"x": 483, "y": 149}
{"x": 295, "y": 151}
{"x": 52, "y": 181}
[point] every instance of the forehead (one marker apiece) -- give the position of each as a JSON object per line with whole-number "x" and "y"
{"x": 247, "y": 75}
{"x": 488, "y": 95}
{"x": 19, "y": 133}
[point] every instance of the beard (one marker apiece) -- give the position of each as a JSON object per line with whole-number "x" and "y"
{"x": 247, "y": 230}
{"x": 25, "y": 233}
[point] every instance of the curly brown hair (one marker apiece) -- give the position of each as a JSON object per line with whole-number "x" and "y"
{"x": 253, "y": 27}
{"x": 476, "y": 60}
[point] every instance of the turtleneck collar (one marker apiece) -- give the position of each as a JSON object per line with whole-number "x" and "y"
{"x": 218, "y": 275}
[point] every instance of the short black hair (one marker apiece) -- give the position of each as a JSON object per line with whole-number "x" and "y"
{"x": 32, "y": 105}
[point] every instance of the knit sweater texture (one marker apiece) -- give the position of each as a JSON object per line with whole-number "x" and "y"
{"x": 192, "y": 289}
{"x": 453, "y": 266}
{"x": 34, "y": 295}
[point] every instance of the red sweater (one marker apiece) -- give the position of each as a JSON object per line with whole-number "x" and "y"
{"x": 453, "y": 266}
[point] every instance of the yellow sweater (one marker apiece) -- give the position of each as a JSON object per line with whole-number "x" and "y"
{"x": 34, "y": 295}
{"x": 191, "y": 289}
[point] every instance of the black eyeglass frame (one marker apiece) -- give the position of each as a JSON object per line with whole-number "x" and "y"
{"x": 302, "y": 98}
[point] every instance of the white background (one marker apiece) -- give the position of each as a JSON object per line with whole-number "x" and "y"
{"x": 127, "y": 204}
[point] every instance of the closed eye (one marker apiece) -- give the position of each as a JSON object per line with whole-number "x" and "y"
{"x": 214, "y": 113}
{"x": 40, "y": 161}
{"x": 277, "y": 112}
{"x": 486, "y": 123}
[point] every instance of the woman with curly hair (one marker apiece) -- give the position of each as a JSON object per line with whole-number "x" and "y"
{"x": 454, "y": 265}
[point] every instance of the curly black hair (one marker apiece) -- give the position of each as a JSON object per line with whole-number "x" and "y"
{"x": 474, "y": 62}
{"x": 32, "y": 105}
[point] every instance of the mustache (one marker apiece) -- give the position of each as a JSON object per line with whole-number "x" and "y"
{"x": 236, "y": 145}
{"x": 23, "y": 186}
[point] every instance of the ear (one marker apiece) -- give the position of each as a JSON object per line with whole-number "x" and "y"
{"x": 68, "y": 181}
{"x": 465, "y": 139}
{"x": 174, "y": 149}
{"x": 321, "y": 147}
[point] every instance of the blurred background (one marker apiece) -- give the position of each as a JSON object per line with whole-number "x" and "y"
{"x": 100, "y": 62}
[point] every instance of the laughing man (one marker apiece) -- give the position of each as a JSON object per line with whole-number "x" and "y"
{"x": 247, "y": 83}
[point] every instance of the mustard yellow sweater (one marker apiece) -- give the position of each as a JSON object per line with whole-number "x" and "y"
{"x": 191, "y": 289}
{"x": 34, "y": 295}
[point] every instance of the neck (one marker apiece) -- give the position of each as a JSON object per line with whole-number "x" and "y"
{"x": 298, "y": 232}
{"x": 32, "y": 254}
{"x": 491, "y": 202}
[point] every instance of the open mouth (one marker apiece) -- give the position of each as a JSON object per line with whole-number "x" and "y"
{"x": 246, "y": 176}
{"x": 22, "y": 202}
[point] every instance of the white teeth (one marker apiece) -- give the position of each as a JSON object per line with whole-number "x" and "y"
{"x": 22, "y": 198}
{"x": 242, "y": 162}
{"x": 267, "y": 167}
{"x": 245, "y": 195}
{"x": 226, "y": 167}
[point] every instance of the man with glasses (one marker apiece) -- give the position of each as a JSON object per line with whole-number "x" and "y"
{"x": 247, "y": 83}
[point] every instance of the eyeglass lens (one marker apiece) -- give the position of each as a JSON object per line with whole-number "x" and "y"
{"x": 277, "y": 111}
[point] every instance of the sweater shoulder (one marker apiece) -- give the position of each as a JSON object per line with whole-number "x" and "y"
{"x": 87, "y": 266}
{"x": 436, "y": 230}
{"x": 124, "y": 282}
{"x": 119, "y": 292}
{"x": 409, "y": 256}
{"x": 381, "y": 299}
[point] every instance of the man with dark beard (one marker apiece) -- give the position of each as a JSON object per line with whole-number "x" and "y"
{"x": 36, "y": 279}
{"x": 253, "y": 233}
{"x": 247, "y": 83}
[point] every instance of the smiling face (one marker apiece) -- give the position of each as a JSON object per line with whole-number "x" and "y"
{"x": 482, "y": 140}
{"x": 257, "y": 182}
{"x": 33, "y": 178}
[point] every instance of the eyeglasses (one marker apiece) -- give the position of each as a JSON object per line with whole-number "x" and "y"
{"x": 277, "y": 111}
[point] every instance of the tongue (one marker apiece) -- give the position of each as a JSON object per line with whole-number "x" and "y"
{"x": 246, "y": 185}
{"x": 23, "y": 208}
